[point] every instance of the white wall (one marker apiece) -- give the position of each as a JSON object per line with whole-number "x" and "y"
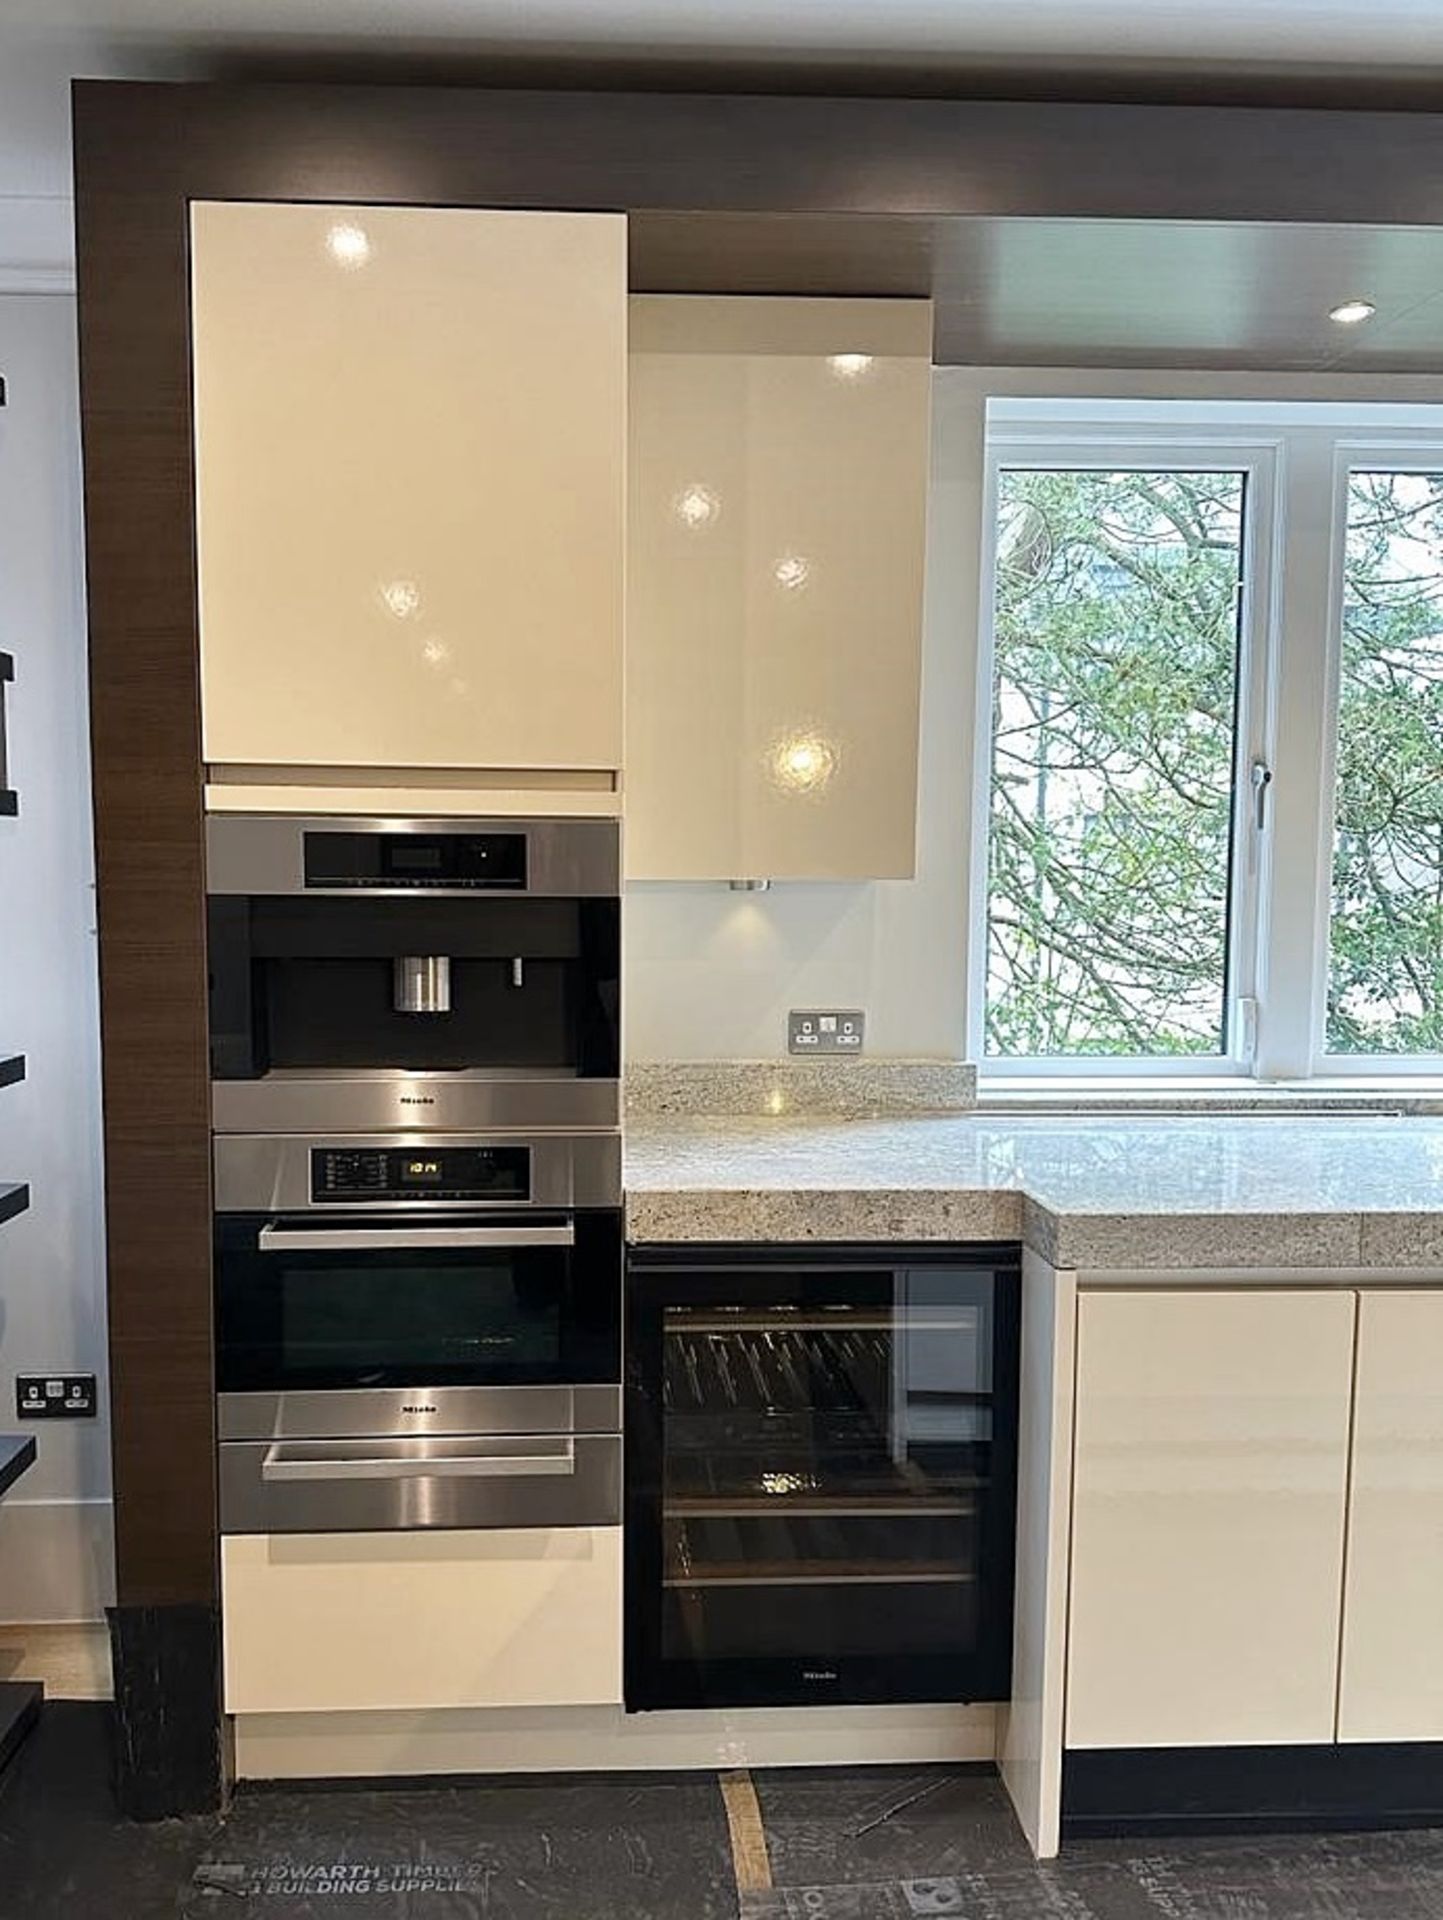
{"x": 710, "y": 974}
{"x": 55, "y": 1554}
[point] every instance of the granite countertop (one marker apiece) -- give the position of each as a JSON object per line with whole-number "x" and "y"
{"x": 1099, "y": 1192}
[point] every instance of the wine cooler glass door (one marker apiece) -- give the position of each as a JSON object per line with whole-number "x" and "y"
{"x": 821, "y": 1481}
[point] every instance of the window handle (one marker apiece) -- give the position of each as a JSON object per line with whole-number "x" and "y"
{"x": 1262, "y": 779}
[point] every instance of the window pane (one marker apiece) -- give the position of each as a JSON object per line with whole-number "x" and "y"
{"x": 1385, "y": 976}
{"x": 1114, "y": 713}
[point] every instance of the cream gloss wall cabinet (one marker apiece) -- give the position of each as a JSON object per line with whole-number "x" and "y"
{"x": 410, "y": 433}
{"x": 1209, "y": 1510}
{"x": 776, "y": 535}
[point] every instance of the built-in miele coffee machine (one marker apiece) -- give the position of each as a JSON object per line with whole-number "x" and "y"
{"x": 418, "y": 1241}
{"x": 437, "y": 973}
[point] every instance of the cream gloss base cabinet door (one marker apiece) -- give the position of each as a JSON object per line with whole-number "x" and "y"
{"x": 1392, "y": 1686}
{"x": 1209, "y": 1500}
{"x": 776, "y": 534}
{"x": 410, "y": 437}
{"x": 340, "y": 1622}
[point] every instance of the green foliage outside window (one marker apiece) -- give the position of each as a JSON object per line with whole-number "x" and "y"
{"x": 1114, "y": 705}
{"x": 1114, "y": 722}
{"x": 1385, "y": 980}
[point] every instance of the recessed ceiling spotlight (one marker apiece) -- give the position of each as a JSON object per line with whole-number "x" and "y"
{"x": 1352, "y": 313}
{"x": 850, "y": 366}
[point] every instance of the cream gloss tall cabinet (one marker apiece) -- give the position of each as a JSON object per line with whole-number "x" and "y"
{"x": 776, "y": 535}
{"x": 410, "y": 476}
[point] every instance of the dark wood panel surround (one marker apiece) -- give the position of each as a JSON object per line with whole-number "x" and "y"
{"x": 893, "y": 172}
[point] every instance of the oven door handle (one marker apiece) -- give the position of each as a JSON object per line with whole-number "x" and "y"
{"x": 406, "y": 1239}
{"x": 350, "y": 1464}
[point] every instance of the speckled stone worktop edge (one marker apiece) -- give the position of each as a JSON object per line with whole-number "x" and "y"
{"x": 1286, "y": 1195}
{"x": 840, "y": 1216}
{"x": 1084, "y": 1243}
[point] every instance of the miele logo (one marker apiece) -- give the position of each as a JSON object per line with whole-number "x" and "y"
{"x": 420, "y": 1409}
{"x": 418, "y": 1099}
{"x": 819, "y": 1673}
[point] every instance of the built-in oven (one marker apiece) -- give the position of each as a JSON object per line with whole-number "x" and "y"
{"x": 373, "y": 974}
{"x": 820, "y": 1470}
{"x": 418, "y": 1331}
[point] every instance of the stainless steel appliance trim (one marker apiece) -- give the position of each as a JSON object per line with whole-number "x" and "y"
{"x": 590, "y": 1495}
{"x": 271, "y": 1172}
{"x": 289, "y": 1460}
{"x": 402, "y": 1239}
{"x": 264, "y": 853}
{"x": 392, "y": 1099}
{"x": 362, "y": 1413}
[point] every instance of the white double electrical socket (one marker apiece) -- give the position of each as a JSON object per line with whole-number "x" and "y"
{"x": 825, "y": 1030}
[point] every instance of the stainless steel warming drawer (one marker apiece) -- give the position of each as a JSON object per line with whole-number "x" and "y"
{"x": 426, "y": 1480}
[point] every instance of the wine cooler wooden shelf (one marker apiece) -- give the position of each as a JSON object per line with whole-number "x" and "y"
{"x": 682, "y": 1322}
{"x": 832, "y": 1507}
{"x": 790, "y": 1573}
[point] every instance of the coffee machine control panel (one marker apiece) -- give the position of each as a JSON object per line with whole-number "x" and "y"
{"x": 408, "y": 862}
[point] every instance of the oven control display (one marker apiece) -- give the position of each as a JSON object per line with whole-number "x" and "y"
{"x": 422, "y": 1173}
{"x": 437, "y": 1173}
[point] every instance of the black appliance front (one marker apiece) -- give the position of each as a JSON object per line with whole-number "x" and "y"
{"x": 314, "y": 1303}
{"x": 301, "y": 982}
{"x": 820, "y": 1475}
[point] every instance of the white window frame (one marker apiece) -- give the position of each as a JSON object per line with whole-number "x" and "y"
{"x": 1412, "y": 452}
{"x": 1294, "y": 571}
{"x": 1075, "y": 446}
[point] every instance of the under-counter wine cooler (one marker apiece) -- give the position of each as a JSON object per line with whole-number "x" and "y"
{"x": 821, "y": 1455}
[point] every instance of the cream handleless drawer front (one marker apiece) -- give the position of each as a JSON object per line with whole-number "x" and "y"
{"x": 410, "y": 476}
{"x": 1209, "y": 1491}
{"x": 1393, "y": 1604}
{"x": 776, "y": 539}
{"x": 335, "y": 1622}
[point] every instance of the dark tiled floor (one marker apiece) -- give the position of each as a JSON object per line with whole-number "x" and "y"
{"x": 866, "y": 1843}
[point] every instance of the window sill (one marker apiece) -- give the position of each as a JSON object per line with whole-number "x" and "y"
{"x": 1075, "y": 1093}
